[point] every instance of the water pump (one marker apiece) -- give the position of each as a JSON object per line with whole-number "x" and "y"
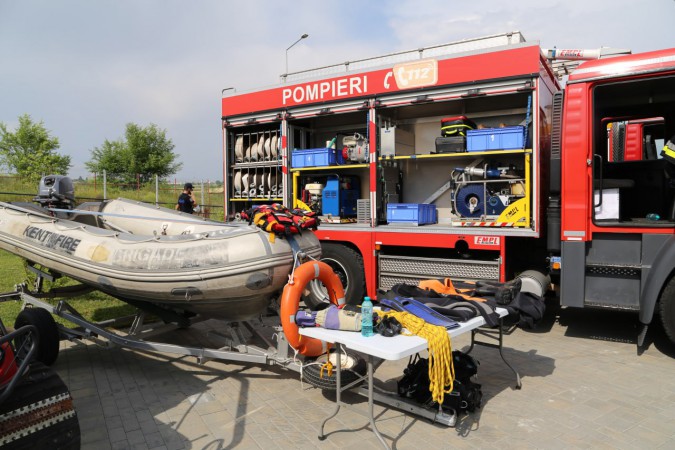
{"x": 355, "y": 148}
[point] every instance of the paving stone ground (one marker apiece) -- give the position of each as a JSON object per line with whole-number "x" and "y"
{"x": 584, "y": 386}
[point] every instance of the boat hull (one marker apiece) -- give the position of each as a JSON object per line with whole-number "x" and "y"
{"x": 217, "y": 270}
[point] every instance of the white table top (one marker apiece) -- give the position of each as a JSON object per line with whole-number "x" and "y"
{"x": 389, "y": 348}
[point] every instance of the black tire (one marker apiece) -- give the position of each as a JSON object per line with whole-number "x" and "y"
{"x": 353, "y": 367}
{"x": 48, "y": 335}
{"x": 38, "y": 427}
{"x": 348, "y": 265}
{"x": 667, "y": 309}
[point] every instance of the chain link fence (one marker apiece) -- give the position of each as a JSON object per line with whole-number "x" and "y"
{"x": 164, "y": 193}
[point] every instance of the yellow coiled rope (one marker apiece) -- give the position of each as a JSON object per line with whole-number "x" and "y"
{"x": 441, "y": 369}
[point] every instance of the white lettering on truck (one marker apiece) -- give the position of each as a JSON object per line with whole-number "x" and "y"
{"x": 343, "y": 87}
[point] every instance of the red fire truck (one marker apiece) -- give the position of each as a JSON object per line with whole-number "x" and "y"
{"x": 469, "y": 160}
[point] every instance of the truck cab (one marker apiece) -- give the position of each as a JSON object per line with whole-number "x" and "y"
{"x": 617, "y": 193}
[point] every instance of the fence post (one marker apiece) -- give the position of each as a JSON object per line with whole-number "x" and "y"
{"x": 201, "y": 201}
{"x": 156, "y": 190}
{"x": 105, "y": 185}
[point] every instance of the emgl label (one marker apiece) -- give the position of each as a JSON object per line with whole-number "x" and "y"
{"x": 486, "y": 240}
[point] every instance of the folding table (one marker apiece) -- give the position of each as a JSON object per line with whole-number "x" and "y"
{"x": 382, "y": 348}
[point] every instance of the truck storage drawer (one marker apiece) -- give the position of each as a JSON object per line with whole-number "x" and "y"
{"x": 395, "y": 269}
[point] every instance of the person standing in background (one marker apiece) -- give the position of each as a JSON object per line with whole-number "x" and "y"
{"x": 186, "y": 200}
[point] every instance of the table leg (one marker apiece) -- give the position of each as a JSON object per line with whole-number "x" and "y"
{"x": 370, "y": 402}
{"x": 500, "y": 346}
{"x": 338, "y": 392}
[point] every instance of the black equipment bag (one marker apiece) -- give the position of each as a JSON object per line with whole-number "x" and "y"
{"x": 465, "y": 396}
{"x": 465, "y": 365}
{"x": 451, "y": 144}
{"x": 415, "y": 381}
{"x": 456, "y": 126}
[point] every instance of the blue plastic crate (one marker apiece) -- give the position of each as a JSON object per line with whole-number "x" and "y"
{"x": 486, "y": 139}
{"x": 415, "y": 213}
{"x": 313, "y": 157}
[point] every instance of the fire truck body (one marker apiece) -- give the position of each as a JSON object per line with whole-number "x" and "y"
{"x": 469, "y": 161}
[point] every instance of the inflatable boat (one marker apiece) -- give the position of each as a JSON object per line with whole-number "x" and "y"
{"x": 154, "y": 257}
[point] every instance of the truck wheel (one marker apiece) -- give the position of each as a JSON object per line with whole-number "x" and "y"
{"x": 48, "y": 335}
{"x": 667, "y": 309}
{"x": 348, "y": 265}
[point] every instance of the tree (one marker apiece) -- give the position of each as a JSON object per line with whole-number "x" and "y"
{"x": 30, "y": 151}
{"x": 144, "y": 150}
{"x": 113, "y": 157}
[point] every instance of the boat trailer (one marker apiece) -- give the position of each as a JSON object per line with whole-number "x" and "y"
{"x": 235, "y": 344}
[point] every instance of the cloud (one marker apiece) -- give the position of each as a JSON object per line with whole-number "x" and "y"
{"x": 88, "y": 68}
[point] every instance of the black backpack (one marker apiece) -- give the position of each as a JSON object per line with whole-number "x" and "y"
{"x": 465, "y": 396}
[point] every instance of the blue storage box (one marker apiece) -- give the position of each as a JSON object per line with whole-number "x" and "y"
{"x": 486, "y": 139}
{"x": 313, "y": 157}
{"x": 415, "y": 213}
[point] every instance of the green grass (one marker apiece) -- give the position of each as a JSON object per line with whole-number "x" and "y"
{"x": 94, "y": 306}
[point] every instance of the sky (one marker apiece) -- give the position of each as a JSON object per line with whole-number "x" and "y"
{"x": 86, "y": 68}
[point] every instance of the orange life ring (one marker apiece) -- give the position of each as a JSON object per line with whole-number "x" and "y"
{"x": 290, "y": 302}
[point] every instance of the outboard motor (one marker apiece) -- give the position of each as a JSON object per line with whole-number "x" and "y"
{"x": 56, "y": 191}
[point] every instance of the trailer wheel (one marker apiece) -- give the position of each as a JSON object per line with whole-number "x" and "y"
{"x": 667, "y": 309}
{"x": 48, "y": 335}
{"x": 353, "y": 367}
{"x": 348, "y": 265}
